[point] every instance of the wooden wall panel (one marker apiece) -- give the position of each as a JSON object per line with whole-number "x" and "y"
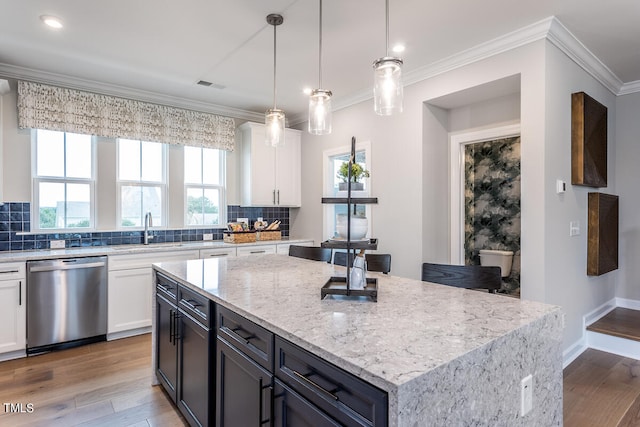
{"x": 588, "y": 141}
{"x": 602, "y": 242}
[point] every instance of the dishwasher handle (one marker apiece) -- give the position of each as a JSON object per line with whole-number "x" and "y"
{"x": 38, "y": 269}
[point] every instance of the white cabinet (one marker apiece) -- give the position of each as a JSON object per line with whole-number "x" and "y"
{"x": 283, "y": 248}
{"x": 270, "y": 176}
{"x": 256, "y": 250}
{"x": 13, "y": 310}
{"x": 129, "y": 298}
{"x": 217, "y": 252}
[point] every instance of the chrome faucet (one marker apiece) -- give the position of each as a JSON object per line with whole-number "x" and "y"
{"x": 148, "y": 222}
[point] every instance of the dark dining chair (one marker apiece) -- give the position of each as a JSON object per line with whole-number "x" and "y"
{"x": 378, "y": 262}
{"x": 463, "y": 276}
{"x": 340, "y": 258}
{"x": 314, "y": 253}
{"x": 374, "y": 262}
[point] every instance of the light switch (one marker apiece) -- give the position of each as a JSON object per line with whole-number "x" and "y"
{"x": 574, "y": 228}
{"x": 561, "y": 186}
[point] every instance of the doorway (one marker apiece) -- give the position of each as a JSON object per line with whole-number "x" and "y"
{"x": 485, "y": 197}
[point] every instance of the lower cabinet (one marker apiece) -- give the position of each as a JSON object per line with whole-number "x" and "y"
{"x": 246, "y": 375}
{"x": 291, "y": 409}
{"x": 184, "y": 363}
{"x": 243, "y": 389}
{"x": 13, "y": 312}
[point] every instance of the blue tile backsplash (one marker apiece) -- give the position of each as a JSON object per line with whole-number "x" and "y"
{"x": 15, "y": 218}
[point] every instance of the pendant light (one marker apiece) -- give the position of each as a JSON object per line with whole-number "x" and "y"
{"x": 320, "y": 99}
{"x": 274, "y": 118}
{"x": 387, "y": 75}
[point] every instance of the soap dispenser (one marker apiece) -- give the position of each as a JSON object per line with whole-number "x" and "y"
{"x": 357, "y": 279}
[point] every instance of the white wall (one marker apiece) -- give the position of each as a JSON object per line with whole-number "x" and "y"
{"x": 566, "y": 281}
{"x": 410, "y": 175}
{"x": 627, "y": 176}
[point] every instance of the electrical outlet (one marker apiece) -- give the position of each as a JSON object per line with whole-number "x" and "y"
{"x": 526, "y": 395}
{"x": 207, "y": 236}
{"x": 56, "y": 244}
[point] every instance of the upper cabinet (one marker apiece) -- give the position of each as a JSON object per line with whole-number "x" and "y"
{"x": 269, "y": 176}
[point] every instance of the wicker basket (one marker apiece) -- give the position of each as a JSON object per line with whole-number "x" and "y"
{"x": 269, "y": 235}
{"x": 239, "y": 236}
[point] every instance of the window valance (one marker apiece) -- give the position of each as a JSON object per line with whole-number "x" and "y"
{"x": 53, "y": 108}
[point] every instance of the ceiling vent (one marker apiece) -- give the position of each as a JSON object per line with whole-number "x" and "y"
{"x": 209, "y": 84}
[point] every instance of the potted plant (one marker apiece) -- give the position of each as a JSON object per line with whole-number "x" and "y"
{"x": 357, "y": 172}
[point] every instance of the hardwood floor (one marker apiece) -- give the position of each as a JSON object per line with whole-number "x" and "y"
{"x": 103, "y": 384}
{"x": 602, "y": 390}
{"x": 621, "y": 322}
{"x": 108, "y": 384}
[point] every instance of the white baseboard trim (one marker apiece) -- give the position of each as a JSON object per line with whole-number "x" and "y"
{"x": 573, "y": 352}
{"x": 129, "y": 333}
{"x": 628, "y": 303}
{"x": 616, "y": 345}
{"x": 13, "y": 355}
{"x": 599, "y": 312}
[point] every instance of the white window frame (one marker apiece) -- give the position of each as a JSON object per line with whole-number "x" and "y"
{"x": 328, "y": 216}
{"x": 140, "y": 183}
{"x": 222, "y": 188}
{"x": 37, "y": 180}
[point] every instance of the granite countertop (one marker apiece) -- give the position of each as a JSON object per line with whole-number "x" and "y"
{"x": 414, "y": 327}
{"x": 20, "y": 256}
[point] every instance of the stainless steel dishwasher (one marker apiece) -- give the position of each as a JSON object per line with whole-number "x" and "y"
{"x": 66, "y": 303}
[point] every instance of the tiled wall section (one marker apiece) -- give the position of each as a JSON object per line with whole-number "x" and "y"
{"x": 15, "y": 218}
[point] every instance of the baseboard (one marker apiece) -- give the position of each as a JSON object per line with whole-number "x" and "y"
{"x": 599, "y": 312}
{"x": 573, "y": 352}
{"x": 616, "y": 345}
{"x": 129, "y": 333}
{"x": 13, "y": 355}
{"x": 628, "y": 303}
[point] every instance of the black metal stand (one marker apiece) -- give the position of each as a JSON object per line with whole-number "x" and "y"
{"x": 340, "y": 285}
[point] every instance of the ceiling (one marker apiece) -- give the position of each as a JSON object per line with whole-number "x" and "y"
{"x": 163, "y": 47}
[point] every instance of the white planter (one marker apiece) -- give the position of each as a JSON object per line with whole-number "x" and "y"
{"x": 359, "y": 227}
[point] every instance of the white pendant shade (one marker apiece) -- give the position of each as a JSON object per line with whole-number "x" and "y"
{"x": 274, "y": 127}
{"x": 387, "y": 86}
{"x": 320, "y": 112}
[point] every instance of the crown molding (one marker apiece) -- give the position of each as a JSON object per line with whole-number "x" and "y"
{"x": 564, "y": 40}
{"x": 54, "y": 79}
{"x": 631, "y": 87}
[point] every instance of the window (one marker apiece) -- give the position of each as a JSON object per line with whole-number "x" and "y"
{"x": 333, "y": 159}
{"x": 204, "y": 179}
{"x": 63, "y": 180}
{"x": 141, "y": 182}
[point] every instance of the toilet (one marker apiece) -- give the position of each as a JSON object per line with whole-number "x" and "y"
{"x": 502, "y": 259}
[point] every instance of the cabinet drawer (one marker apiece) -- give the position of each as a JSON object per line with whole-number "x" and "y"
{"x": 12, "y": 270}
{"x": 253, "y": 340}
{"x": 195, "y": 305}
{"x": 257, "y": 250}
{"x": 340, "y": 394}
{"x": 166, "y": 287}
{"x": 217, "y": 253}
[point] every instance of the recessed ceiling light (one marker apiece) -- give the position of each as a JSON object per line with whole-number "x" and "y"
{"x": 399, "y": 48}
{"x": 307, "y": 90}
{"x": 51, "y": 21}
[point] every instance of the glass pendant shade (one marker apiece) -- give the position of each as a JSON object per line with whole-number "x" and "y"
{"x": 320, "y": 112}
{"x": 274, "y": 127}
{"x": 387, "y": 86}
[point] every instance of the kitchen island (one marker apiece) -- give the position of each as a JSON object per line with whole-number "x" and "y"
{"x": 444, "y": 356}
